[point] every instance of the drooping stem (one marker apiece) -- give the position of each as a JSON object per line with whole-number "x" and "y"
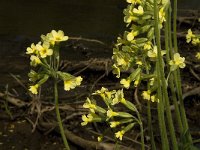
{"x": 58, "y": 116}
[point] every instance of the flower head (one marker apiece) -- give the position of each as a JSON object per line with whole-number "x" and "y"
{"x": 198, "y": 55}
{"x": 146, "y": 95}
{"x": 131, "y": 35}
{"x": 113, "y": 124}
{"x": 44, "y": 49}
{"x": 116, "y": 70}
{"x": 189, "y": 36}
{"x": 57, "y": 36}
{"x": 35, "y": 60}
{"x": 139, "y": 11}
{"x": 32, "y": 49}
{"x": 72, "y": 83}
{"x": 118, "y": 97}
{"x": 177, "y": 62}
{"x": 126, "y": 83}
{"x": 34, "y": 89}
{"x": 134, "y": 1}
{"x": 89, "y": 105}
{"x": 119, "y": 134}
{"x": 162, "y": 15}
{"x": 86, "y": 119}
{"x": 111, "y": 113}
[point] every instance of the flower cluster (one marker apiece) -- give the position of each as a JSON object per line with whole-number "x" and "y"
{"x": 136, "y": 51}
{"x": 194, "y": 39}
{"x": 121, "y": 122}
{"x": 44, "y": 56}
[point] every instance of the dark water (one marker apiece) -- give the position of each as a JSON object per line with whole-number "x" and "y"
{"x": 101, "y": 19}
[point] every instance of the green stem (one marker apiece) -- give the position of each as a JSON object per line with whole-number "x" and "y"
{"x": 150, "y": 130}
{"x": 153, "y": 145}
{"x": 178, "y": 78}
{"x": 171, "y": 80}
{"x": 62, "y": 132}
{"x": 141, "y": 130}
{"x": 168, "y": 111}
{"x": 160, "y": 75}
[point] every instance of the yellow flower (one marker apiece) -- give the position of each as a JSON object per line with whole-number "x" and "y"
{"x": 33, "y": 89}
{"x": 118, "y": 97}
{"x": 134, "y": 1}
{"x": 147, "y": 46}
{"x": 104, "y": 93}
{"x": 131, "y": 35}
{"x": 78, "y": 80}
{"x": 162, "y": 15}
{"x": 153, "y": 98}
{"x": 198, "y": 55}
{"x": 189, "y": 36}
{"x": 116, "y": 70}
{"x": 99, "y": 138}
{"x": 113, "y": 124}
{"x": 138, "y": 11}
{"x": 153, "y": 53}
{"x": 111, "y": 113}
{"x": 35, "y": 60}
{"x": 146, "y": 95}
{"x": 195, "y": 41}
{"x": 44, "y": 50}
{"x": 72, "y": 83}
{"x": 177, "y": 62}
{"x": 57, "y": 36}
{"x": 119, "y": 134}
{"x": 86, "y": 119}
{"x": 32, "y": 49}
{"x": 138, "y": 62}
{"x": 89, "y": 105}
{"x": 125, "y": 83}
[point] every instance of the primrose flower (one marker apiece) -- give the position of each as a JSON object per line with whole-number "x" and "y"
{"x": 147, "y": 46}
{"x": 116, "y": 71}
{"x": 126, "y": 83}
{"x": 113, "y": 124}
{"x": 162, "y": 15}
{"x": 89, "y": 105}
{"x": 146, "y": 95}
{"x": 111, "y": 113}
{"x": 195, "y": 41}
{"x": 57, "y": 36}
{"x": 131, "y": 35}
{"x": 86, "y": 119}
{"x": 198, "y": 55}
{"x": 119, "y": 134}
{"x": 153, "y": 53}
{"x": 99, "y": 138}
{"x": 134, "y": 1}
{"x": 104, "y": 93}
{"x": 44, "y": 49}
{"x": 35, "y": 60}
{"x": 72, "y": 83}
{"x": 119, "y": 97}
{"x": 138, "y": 11}
{"x": 177, "y": 62}
{"x": 33, "y": 89}
{"x": 32, "y": 49}
{"x": 189, "y": 36}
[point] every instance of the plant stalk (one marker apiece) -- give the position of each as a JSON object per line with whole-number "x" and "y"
{"x": 62, "y": 132}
